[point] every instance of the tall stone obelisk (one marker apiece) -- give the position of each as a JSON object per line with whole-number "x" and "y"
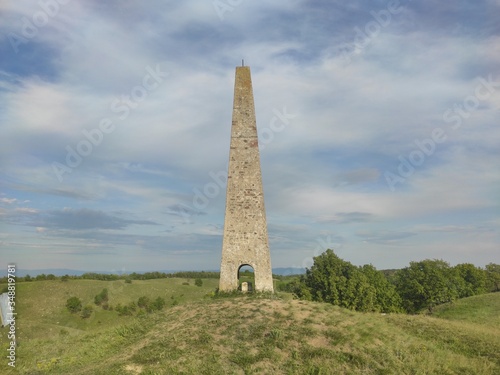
{"x": 245, "y": 239}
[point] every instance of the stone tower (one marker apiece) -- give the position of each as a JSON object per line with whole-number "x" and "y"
{"x": 245, "y": 239}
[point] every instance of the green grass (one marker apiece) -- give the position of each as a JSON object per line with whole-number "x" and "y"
{"x": 41, "y": 304}
{"x": 482, "y": 309}
{"x": 244, "y": 335}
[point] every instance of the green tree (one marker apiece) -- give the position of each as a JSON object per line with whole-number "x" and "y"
{"x": 73, "y": 304}
{"x": 298, "y": 287}
{"x": 336, "y": 281}
{"x": 493, "y": 277}
{"x": 198, "y": 282}
{"x": 387, "y": 298}
{"x": 474, "y": 279}
{"x": 426, "y": 284}
{"x": 325, "y": 276}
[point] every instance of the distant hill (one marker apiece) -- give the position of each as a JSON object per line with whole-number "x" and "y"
{"x": 288, "y": 271}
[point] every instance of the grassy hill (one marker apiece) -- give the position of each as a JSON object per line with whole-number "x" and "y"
{"x": 240, "y": 335}
{"x": 483, "y": 309}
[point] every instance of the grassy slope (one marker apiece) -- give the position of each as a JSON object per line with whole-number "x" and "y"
{"x": 482, "y": 309}
{"x": 243, "y": 335}
{"x": 41, "y": 304}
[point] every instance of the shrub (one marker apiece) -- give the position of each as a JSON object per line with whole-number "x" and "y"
{"x": 198, "y": 282}
{"x": 143, "y": 302}
{"x": 101, "y": 297}
{"x": 126, "y": 309}
{"x": 158, "y": 304}
{"x": 122, "y": 310}
{"x": 73, "y": 304}
{"x": 87, "y": 311}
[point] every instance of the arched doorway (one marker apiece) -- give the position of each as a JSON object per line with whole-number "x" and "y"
{"x": 246, "y": 278}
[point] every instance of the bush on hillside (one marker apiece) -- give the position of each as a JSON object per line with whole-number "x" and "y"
{"x": 126, "y": 309}
{"x": 158, "y": 304}
{"x": 143, "y": 302}
{"x": 87, "y": 311}
{"x": 73, "y": 304}
{"x": 101, "y": 297}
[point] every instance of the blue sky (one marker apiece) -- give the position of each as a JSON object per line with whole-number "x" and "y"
{"x": 378, "y": 125}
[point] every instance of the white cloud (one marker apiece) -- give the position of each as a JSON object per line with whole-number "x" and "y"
{"x": 323, "y": 172}
{"x": 8, "y": 200}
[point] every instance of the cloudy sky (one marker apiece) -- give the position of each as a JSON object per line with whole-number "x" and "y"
{"x": 378, "y": 125}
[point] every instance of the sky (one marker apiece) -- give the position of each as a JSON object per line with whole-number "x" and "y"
{"x": 377, "y": 121}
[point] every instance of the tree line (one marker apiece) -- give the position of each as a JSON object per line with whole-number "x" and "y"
{"x": 113, "y": 277}
{"x": 421, "y": 285}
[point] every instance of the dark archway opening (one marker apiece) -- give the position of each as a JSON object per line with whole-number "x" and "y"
{"x": 246, "y": 278}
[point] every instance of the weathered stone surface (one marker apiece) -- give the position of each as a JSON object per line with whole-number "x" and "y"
{"x": 245, "y": 239}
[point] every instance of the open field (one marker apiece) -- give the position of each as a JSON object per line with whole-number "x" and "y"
{"x": 243, "y": 335}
